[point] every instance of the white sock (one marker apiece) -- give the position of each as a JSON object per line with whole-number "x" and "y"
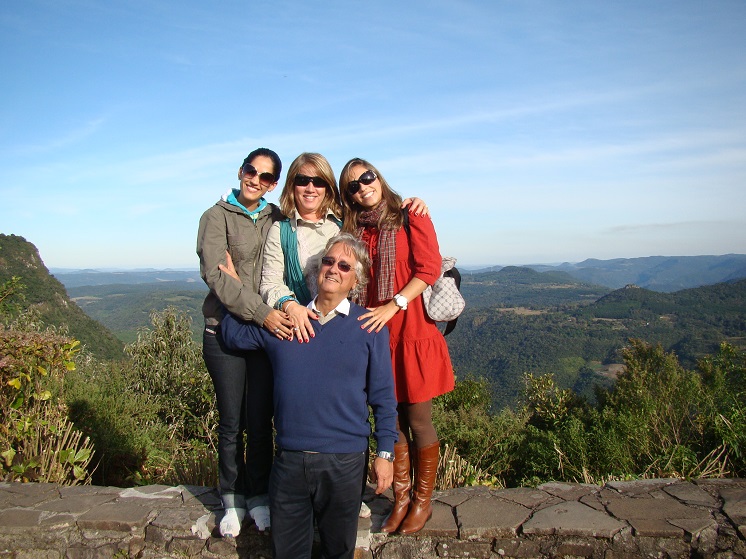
{"x": 230, "y": 524}
{"x": 260, "y": 515}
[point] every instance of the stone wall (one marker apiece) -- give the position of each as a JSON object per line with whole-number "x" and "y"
{"x": 621, "y": 520}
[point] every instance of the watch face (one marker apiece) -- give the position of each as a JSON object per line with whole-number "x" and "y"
{"x": 386, "y": 456}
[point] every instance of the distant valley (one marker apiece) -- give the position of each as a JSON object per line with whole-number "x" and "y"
{"x": 657, "y": 273}
{"x": 518, "y": 319}
{"x": 570, "y": 320}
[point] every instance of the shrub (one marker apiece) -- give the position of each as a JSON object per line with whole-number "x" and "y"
{"x": 485, "y": 442}
{"x": 37, "y": 440}
{"x": 724, "y": 375}
{"x": 122, "y": 423}
{"x": 168, "y": 366}
{"x": 659, "y": 408}
{"x": 154, "y": 417}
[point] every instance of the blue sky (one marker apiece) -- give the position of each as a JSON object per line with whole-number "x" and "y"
{"x": 538, "y": 131}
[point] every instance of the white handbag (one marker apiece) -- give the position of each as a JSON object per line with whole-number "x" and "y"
{"x": 443, "y": 300}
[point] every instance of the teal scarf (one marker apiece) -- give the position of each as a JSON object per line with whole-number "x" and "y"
{"x": 293, "y": 272}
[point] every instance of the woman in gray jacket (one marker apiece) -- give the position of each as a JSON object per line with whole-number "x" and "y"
{"x": 238, "y": 223}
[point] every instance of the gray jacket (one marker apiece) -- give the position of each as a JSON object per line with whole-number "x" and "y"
{"x": 226, "y": 227}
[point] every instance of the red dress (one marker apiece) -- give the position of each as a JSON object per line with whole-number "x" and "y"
{"x": 419, "y": 354}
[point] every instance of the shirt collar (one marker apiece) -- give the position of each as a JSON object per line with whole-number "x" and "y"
{"x": 297, "y": 218}
{"x": 342, "y": 308}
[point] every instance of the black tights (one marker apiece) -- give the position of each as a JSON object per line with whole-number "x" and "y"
{"x": 415, "y": 423}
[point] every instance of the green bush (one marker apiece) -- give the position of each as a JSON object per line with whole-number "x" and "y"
{"x": 484, "y": 440}
{"x": 37, "y": 440}
{"x": 168, "y": 366}
{"x": 154, "y": 417}
{"x": 724, "y": 376}
{"x": 658, "y": 420}
{"x": 122, "y": 423}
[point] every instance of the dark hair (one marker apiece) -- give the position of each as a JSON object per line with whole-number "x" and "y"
{"x": 391, "y": 218}
{"x": 266, "y": 152}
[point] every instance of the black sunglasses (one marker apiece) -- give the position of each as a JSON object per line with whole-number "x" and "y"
{"x": 353, "y": 187}
{"x": 265, "y": 178}
{"x": 303, "y": 180}
{"x": 341, "y": 264}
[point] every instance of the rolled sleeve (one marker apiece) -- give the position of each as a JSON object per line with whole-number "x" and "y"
{"x": 424, "y": 247}
{"x": 272, "y": 287}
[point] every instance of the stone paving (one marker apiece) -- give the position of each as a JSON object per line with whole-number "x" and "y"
{"x": 659, "y": 518}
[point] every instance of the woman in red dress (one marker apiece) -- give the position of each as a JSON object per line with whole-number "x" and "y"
{"x": 405, "y": 260}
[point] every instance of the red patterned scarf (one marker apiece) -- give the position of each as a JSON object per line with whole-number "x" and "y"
{"x": 384, "y": 265}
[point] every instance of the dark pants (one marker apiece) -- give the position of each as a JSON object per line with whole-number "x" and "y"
{"x": 306, "y": 486}
{"x": 243, "y": 390}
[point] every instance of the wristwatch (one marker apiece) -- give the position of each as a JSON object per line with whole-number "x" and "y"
{"x": 385, "y": 455}
{"x": 400, "y": 301}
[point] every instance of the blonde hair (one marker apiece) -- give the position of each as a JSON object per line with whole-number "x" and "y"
{"x": 323, "y": 170}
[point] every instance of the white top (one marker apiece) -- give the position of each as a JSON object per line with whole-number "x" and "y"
{"x": 312, "y": 239}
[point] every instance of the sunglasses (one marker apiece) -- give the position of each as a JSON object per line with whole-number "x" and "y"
{"x": 265, "y": 178}
{"x": 303, "y": 180}
{"x": 353, "y": 187}
{"x": 341, "y": 264}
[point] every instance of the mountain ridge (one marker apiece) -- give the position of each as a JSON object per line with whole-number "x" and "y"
{"x": 43, "y": 292}
{"x": 658, "y": 273}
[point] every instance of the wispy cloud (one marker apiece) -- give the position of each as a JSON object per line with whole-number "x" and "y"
{"x": 72, "y": 137}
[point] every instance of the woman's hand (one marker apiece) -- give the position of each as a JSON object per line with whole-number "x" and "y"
{"x": 279, "y": 324}
{"x": 301, "y": 317}
{"x": 416, "y": 206}
{"x": 377, "y": 318}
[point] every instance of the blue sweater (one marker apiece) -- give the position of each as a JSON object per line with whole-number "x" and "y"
{"x": 322, "y": 389}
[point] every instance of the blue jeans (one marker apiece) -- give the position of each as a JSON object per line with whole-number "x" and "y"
{"x": 243, "y": 390}
{"x": 304, "y": 486}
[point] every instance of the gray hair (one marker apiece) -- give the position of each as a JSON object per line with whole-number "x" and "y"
{"x": 362, "y": 261}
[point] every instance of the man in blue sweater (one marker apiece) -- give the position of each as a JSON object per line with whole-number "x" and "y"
{"x": 322, "y": 390}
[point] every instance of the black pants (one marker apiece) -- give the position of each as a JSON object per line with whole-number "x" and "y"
{"x": 325, "y": 487}
{"x": 243, "y": 389}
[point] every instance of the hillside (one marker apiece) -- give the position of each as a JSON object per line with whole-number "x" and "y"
{"x": 523, "y": 287}
{"x": 658, "y": 273}
{"x": 124, "y": 308}
{"x": 20, "y": 258}
{"x": 579, "y": 344}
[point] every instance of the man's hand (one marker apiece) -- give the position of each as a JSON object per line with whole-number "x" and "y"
{"x": 384, "y": 474}
{"x": 228, "y": 268}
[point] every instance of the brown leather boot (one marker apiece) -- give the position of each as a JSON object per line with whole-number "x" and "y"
{"x": 424, "y": 482}
{"x": 402, "y": 485}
